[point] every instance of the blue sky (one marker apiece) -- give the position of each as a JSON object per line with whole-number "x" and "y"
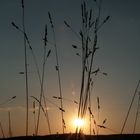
{"x": 118, "y": 55}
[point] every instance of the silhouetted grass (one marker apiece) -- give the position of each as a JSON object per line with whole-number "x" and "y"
{"x": 73, "y": 136}
{"x": 1, "y": 128}
{"x": 58, "y": 72}
{"x": 137, "y": 113}
{"x": 129, "y": 109}
{"x": 26, "y": 68}
{"x": 41, "y": 78}
{"x": 88, "y": 36}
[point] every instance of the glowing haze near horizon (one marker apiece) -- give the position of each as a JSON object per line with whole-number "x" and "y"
{"x": 119, "y": 56}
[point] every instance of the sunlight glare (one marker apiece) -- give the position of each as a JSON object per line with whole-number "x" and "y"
{"x": 78, "y": 123}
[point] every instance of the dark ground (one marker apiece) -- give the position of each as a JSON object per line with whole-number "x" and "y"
{"x": 81, "y": 137}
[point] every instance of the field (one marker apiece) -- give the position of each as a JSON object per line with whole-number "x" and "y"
{"x": 83, "y": 137}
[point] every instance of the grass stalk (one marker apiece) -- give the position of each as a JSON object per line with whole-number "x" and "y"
{"x": 9, "y": 122}
{"x": 2, "y": 130}
{"x": 34, "y": 112}
{"x": 58, "y": 72}
{"x": 41, "y": 106}
{"x": 129, "y": 109}
{"x": 85, "y": 49}
{"x": 38, "y": 72}
{"x": 45, "y": 56}
{"x": 137, "y": 113}
{"x": 90, "y": 114}
{"x": 26, "y": 68}
{"x": 89, "y": 44}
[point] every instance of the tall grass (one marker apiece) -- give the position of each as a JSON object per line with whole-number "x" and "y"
{"x": 34, "y": 112}
{"x": 129, "y": 109}
{"x": 137, "y": 113}
{"x": 91, "y": 116}
{"x": 41, "y": 107}
{"x": 9, "y": 117}
{"x": 26, "y": 67}
{"x": 41, "y": 79}
{"x": 1, "y": 128}
{"x": 58, "y": 72}
{"x": 88, "y": 36}
{"x": 98, "y": 107}
{"x": 9, "y": 123}
{"x": 25, "y": 41}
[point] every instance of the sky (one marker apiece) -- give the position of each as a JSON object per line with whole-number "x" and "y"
{"x": 119, "y": 56}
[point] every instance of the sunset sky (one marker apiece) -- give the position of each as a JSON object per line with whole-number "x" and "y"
{"x": 119, "y": 56}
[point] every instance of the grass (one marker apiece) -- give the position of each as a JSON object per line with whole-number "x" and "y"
{"x": 129, "y": 109}
{"x": 58, "y": 73}
{"x": 10, "y": 127}
{"x": 26, "y": 68}
{"x": 1, "y": 128}
{"x": 137, "y": 113}
{"x": 41, "y": 79}
{"x": 88, "y": 37}
{"x": 25, "y": 42}
{"x": 45, "y": 56}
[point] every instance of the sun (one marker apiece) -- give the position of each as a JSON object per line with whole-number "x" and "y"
{"x": 78, "y": 123}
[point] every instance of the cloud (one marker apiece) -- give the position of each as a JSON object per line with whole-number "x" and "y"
{"x": 20, "y": 108}
{"x": 5, "y": 109}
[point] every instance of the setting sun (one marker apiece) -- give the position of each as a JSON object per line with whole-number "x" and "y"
{"x": 78, "y": 123}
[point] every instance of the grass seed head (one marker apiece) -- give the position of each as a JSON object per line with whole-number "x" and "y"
{"x": 66, "y": 24}
{"x": 50, "y": 18}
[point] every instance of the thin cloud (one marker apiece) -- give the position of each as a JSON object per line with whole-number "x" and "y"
{"x": 21, "y": 108}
